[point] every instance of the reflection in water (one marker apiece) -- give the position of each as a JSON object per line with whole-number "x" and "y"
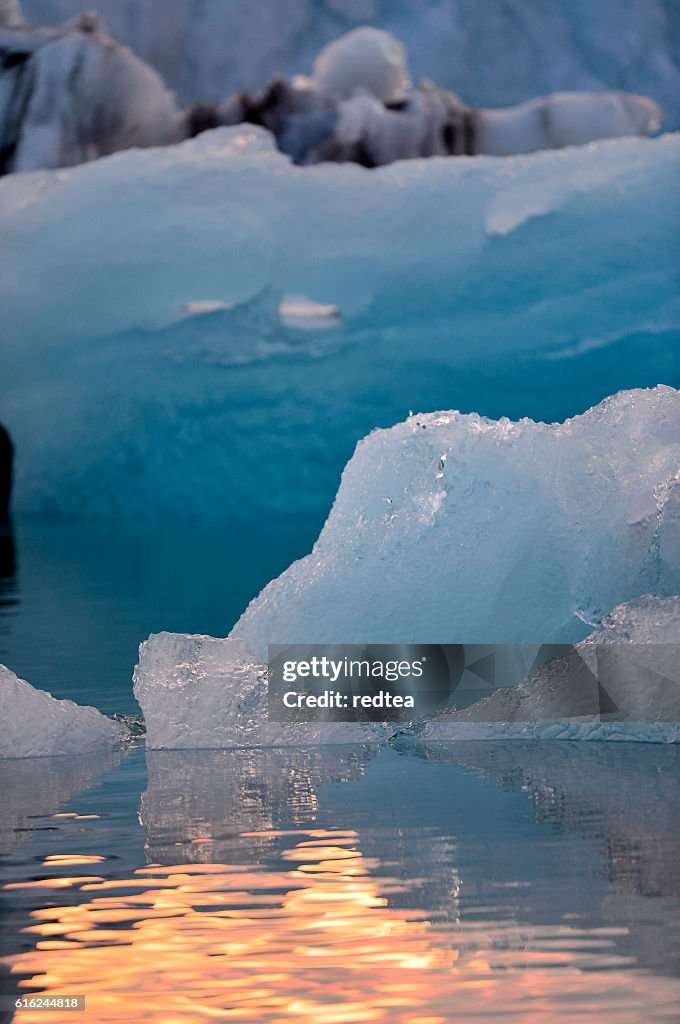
{"x": 210, "y": 805}
{"x": 35, "y": 787}
{"x": 330, "y": 887}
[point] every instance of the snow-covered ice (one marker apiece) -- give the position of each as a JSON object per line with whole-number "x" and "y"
{"x": 34, "y": 724}
{"x": 200, "y": 692}
{"x": 458, "y": 529}
{"x": 72, "y": 94}
{"x": 367, "y": 59}
{"x": 492, "y": 53}
{"x": 199, "y": 394}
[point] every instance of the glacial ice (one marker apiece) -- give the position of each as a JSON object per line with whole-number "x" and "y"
{"x": 198, "y": 692}
{"x": 367, "y": 59}
{"x": 452, "y": 528}
{"x": 35, "y": 724}
{"x": 53, "y": 81}
{"x": 201, "y": 394}
{"x": 634, "y": 653}
{"x": 494, "y": 53}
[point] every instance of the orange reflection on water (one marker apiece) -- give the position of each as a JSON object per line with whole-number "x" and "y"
{"x": 314, "y": 943}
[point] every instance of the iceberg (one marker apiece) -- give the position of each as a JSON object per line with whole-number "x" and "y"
{"x": 202, "y": 393}
{"x": 458, "y": 529}
{"x": 621, "y": 683}
{"x": 200, "y": 692}
{"x": 34, "y": 724}
{"x": 72, "y": 93}
{"x": 494, "y": 53}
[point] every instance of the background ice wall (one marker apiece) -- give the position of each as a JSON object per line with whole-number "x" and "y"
{"x": 145, "y": 368}
{"x": 492, "y": 52}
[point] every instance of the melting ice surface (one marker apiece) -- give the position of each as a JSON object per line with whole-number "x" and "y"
{"x": 527, "y": 286}
{"x": 35, "y": 724}
{"x": 518, "y": 883}
{"x": 456, "y": 526}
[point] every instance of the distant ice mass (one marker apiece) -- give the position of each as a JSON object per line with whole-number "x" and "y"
{"x": 71, "y": 94}
{"x": 201, "y": 692}
{"x": 367, "y": 59}
{"x": 455, "y": 528}
{"x": 527, "y": 286}
{"x": 35, "y": 724}
{"x": 493, "y": 54}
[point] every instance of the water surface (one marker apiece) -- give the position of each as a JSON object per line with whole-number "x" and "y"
{"x": 480, "y": 882}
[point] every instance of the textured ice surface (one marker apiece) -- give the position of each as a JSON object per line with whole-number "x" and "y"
{"x": 636, "y": 668}
{"x": 52, "y": 82}
{"x": 493, "y": 53}
{"x": 200, "y": 692}
{"x": 450, "y": 528}
{"x": 145, "y": 295}
{"x": 35, "y": 724}
{"x": 647, "y": 620}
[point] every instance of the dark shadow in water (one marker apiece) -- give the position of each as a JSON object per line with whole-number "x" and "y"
{"x": 9, "y": 587}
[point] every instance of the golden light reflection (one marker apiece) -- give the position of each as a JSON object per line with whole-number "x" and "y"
{"x": 314, "y": 942}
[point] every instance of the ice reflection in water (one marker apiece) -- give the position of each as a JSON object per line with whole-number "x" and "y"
{"x": 339, "y": 886}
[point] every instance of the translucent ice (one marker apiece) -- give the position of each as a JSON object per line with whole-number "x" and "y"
{"x": 527, "y": 286}
{"x": 629, "y": 667}
{"x": 35, "y": 724}
{"x": 200, "y": 692}
{"x": 451, "y": 528}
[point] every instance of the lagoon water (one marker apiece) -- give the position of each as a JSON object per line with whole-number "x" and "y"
{"x": 474, "y": 882}
{"x": 469, "y": 883}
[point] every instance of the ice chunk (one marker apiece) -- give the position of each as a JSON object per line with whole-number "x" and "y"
{"x": 34, "y": 724}
{"x": 453, "y": 528}
{"x": 200, "y": 692}
{"x": 366, "y": 59}
{"x": 193, "y": 408}
{"x": 305, "y": 314}
{"x": 647, "y": 620}
{"x": 622, "y": 682}
{"x": 51, "y": 81}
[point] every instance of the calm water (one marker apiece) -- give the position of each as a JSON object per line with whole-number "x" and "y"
{"x": 76, "y": 600}
{"x": 479, "y": 882}
{"x": 468, "y": 883}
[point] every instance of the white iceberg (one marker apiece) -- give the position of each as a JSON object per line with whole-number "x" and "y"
{"x": 35, "y": 724}
{"x": 200, "y": 391}
{"x": 452, "y": 528}
{"x": 198, "y": 692}
{"x": 629, "y": 666}
{"x": 493, "y": 53}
